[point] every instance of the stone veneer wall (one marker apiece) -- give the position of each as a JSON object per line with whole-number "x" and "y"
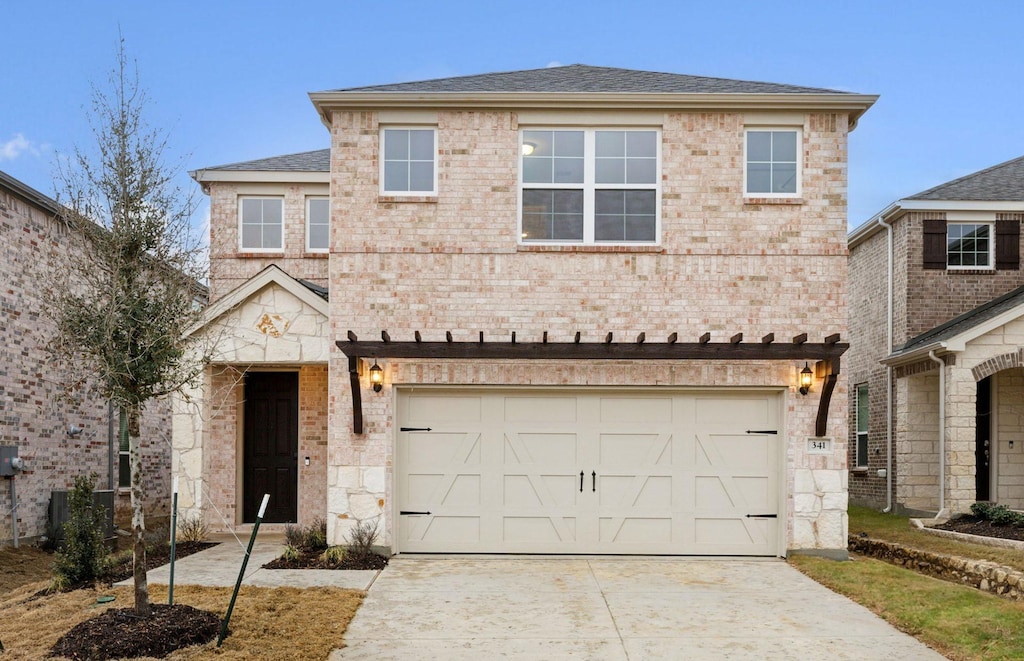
{"x": 230, "y": 267}
{"x": 34, "y": 413}
{"x": 725, "y": 264}
{"x": 1008, "y": 447}
{"x": 916, "y": 441}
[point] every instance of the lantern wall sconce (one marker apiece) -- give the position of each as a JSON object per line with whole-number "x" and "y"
{"x": 376, "y": 376}
{"x": 806, "y": 378}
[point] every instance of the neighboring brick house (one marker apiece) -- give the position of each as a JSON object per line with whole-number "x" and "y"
{"x": 941, "y": 269}
{"x": 569, "y": 312}
{"x": 35, "y": 416}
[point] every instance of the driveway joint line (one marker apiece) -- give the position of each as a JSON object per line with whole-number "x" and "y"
{"x": 604, "y": 598}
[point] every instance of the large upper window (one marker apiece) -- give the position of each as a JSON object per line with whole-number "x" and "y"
{"x": 262, "y": 221}
{"x": 590, "y": 186}
{"x": 862, "y": 426}
{"x": 969, "y": 245}
{"x": 408, "y": 166}
{"x": 318, "y": 224}
{"x": 773, "y": 164}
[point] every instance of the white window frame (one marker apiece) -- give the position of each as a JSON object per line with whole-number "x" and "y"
{"x": 309, "y": 200}
{"x": 241, "y": 245}
{"x": 589, "y": 186}
{"x": 861, "y": 462}
{"x": 799, "y": 160}
{"x": 380, "y": 174}
{"x": 991, "y": 245}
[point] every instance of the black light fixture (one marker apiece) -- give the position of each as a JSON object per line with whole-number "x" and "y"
{"x": 377, "y": 376}
{"x": 806, "y": 378}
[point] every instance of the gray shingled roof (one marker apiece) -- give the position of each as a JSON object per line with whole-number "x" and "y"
{"x": 29, "y": 193}
{"x": 964, "y": 322}
{"x": 1003, "y": 182}
{"x": 307, "y": 161}
{"x": 582, "y": 78}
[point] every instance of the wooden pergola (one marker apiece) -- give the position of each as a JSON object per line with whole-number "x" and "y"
{"x": 825, "y": 354}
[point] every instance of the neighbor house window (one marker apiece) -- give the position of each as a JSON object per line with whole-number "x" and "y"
{"x": 262, "y": 223}
{"x": 408, "y": 166}
{"x": 590, "y": 186}
{"x": 773, "y": 163}
{"x": 318, "y": 224}
{"x": 969, "y": 245}
{"x": 862, "y": 426}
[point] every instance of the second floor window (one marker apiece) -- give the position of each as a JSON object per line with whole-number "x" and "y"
{"x": 773, "y": 166}
{"x": 407, "y": 166}
{"x": 590, "y": 186}
{"x": 262, "y": 223}
{"x": 318, "y": 224}
{"x": 969, "y": 245}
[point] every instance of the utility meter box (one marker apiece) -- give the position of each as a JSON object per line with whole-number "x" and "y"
{"x": 8, "y": 453}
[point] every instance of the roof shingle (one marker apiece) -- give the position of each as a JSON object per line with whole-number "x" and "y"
{"x": 307, "y": 161}
{"x": 1003, "y": 182}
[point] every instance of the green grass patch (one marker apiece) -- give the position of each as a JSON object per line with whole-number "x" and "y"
{"x": 958, "y": 621}
{"x": 894, "y": 528}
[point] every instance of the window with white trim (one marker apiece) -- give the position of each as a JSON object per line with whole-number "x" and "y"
{"x": 772, "y": 162}
{"x": 408, "y": 165}
{"x": 861, "y": 460}
{"x": 590, "y": 186}
{"x": 318, "y": 224}
{"x": 969, "y": 245}
{"x": 262, "y": 223}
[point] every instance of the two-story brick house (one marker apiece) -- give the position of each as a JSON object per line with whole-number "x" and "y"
{"x": 58, "y": 436}
{"x": 936, "y": 301}
{"x": 574, "y": 309}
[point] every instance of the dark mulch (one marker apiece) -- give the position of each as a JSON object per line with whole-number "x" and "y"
{"x": 312, "y": 560}
{"x": 118, "y": 633}
{"x": 973, "y": 525}
{"x": 157, "y": 557}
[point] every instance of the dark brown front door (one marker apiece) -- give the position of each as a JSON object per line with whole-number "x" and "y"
{"x": 271, "y": 445}
{"x": 983, "y": 440}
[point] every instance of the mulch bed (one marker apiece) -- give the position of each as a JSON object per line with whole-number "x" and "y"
{"x": 158, "y": 558}
{"x": 973, "y": 525}
{"x": 118, "y": 633}
{"x": 312, "y": 560}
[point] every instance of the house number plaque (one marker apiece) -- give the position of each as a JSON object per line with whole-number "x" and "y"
{"x": 819, "y": 445}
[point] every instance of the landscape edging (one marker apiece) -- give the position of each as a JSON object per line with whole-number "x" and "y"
{"x": 981, "y": 574}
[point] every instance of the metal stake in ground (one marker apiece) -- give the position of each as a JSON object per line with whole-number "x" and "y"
{"x": 241, "y": 572}
{"x": 174, "y": 539}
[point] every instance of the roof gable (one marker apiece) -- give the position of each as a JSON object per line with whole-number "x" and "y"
{"x": 582, "y": 78}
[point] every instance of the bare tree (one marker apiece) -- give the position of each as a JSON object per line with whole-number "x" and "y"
{"x": 122, "y": 315}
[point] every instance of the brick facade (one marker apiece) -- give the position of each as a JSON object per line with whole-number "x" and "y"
{"x": 34, "y": 412}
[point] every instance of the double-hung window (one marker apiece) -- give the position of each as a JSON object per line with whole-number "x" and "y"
{"x": 262, "y": 223}
{"x": 772, "y": 162}
{"x": 590, "y": 186}
{"x": 408, "y": 166}
{"x": 862, "y": 426}
{"x": 969, "y": 245}
{"x": 318, "y": 224}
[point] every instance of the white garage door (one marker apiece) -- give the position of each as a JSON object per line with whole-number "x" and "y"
{"x": 588, "y": 472}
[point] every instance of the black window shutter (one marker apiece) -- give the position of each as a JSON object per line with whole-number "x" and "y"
{"x": 1008, "y": 244}
{"x": 934, "y": 244}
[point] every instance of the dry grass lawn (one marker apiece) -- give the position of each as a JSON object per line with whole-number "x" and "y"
{"x": 267, "y": 623}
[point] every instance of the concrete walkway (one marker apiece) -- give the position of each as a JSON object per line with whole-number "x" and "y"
{"x": 218, "y": 566}
{"x": 473, "y": 607}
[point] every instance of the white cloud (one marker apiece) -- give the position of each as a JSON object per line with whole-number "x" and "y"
{"x": 15, "y": 147}
{"x": 553, "y": 63}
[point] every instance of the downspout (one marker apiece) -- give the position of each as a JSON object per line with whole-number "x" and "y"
{"x": 110, "y": 446}
{"x": 888, "y": 371}
{"x": 942, "y": 433}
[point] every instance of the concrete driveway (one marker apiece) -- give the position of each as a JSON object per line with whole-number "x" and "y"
{"x": 473, "y": 607}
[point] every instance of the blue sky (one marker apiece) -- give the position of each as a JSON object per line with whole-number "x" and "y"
{"x": 229, "y": 79}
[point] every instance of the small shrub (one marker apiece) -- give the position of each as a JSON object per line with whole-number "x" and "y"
{"x": 314, "y": 538}
{"x": 362, "y": 538}
{"x": 333, "y": 555}
{"x": 981, "y": 510}
{"x": 293, "y": 535}
{"x": 1000, "y": 515}
{"x": 192, "y": 529}
{"x": 80, "y": 559}
{"x": 291, "y": 553}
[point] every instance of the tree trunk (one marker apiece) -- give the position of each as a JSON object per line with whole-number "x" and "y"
{"x": 142, "y": 605}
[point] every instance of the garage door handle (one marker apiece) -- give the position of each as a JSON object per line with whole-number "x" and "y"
{"x": 762, "y": 516}
{"x": 408, "y": 512}
{"x": 581, "y": 481}
{"x": 415, "y": 429}
{"x": 763, "y": 431}
{"x": 593, "y": 481}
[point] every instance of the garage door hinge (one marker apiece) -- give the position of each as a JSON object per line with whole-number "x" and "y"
{"x": 763, "y": 431}
{"x": 408, "y": 512}
{"x": 415, "y": 429}
{"x": 762, "y": 516}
